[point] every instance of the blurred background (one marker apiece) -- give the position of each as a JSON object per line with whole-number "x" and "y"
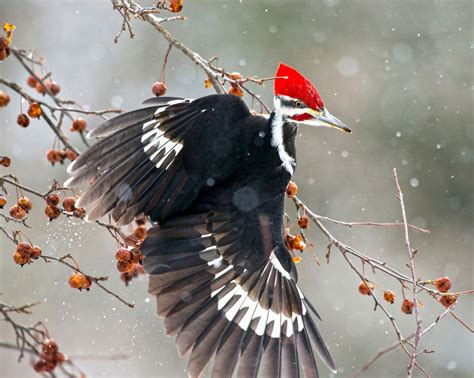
{"x": 398, "y": 72}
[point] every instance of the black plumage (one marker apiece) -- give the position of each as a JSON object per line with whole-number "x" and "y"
{"x": 212, "y": 177}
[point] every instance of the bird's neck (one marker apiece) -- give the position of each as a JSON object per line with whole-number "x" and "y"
{"x": 283, "y": 137}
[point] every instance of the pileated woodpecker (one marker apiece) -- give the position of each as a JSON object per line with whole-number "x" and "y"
{"x": 213, "y": 176}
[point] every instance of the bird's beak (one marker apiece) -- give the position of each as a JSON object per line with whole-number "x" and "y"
{"x": 325, "y": 119}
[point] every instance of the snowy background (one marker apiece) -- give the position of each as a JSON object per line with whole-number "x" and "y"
{"x": 398, "y": 72}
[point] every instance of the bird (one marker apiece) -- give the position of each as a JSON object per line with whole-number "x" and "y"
{"x": 211, "y": 176}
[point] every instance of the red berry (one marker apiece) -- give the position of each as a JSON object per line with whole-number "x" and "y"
{"x": 291, "y": 189}
{"x": 3, "y": 54}
{"x": 303, "y": 222}
{"x": 25, "y": 203}
{"x": 79, "y": 281}
{"x": 235, "y": 90}
{"x": 39, "y": 366}
{"x": 447, "y": 300}
{"x": 389, "y": 296}
{"x": 40, "y": 88}
{"x": 31, "y": 81}
{"x": 364, "y": 288}
{"x": 136, "y": 256}
{"x": 5, "y": 161}
{"x": 3, "y": 43}
{"x": 35, "y": 111}
{"x": 24, "y": 248}
{"x": 71, "y": 155}
{"x": 54, "y": 87}
{"x": 124, "y": 266}
{"x": 59, "y": 358}
{"x": 4, "y": 99}
{"x": 123, "y": 254}
{"x": 53, "y": 199}
{"x": 69, "y": 204}
{"x": 23, "y": 120}
{"x": 79, "y": 212}
{"x": 443, "y": 284}
{"x": 35, "y": 252}
{"x": 176, "y": 5}
{"x": 52, "y": 212}
{"x": 21, "y": 259}
{"x": 78, "y": 125}
{"x": 3, "y": 201}
{"x": 50, "y": 346}
{"x": 50, "y": 366}
{"x": 407, "y": 306}
{"x": 158, "y": 88}
{"x": 17, "y": 212}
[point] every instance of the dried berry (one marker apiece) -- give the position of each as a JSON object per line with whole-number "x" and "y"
{"x": 235, "y": 76}
{"x": 298, "y": 243}
{"x": 303, "y": 222}
{"x": 158, "y": 88}
{"x": 136, "y": 256}
{"x": 176, "y": 5}
{"x": 3, "y": 202}
{"x": 79, "y": 212}
{"x": 123, "y": 254}
{"x": 124, "y": 266}
{"x": 49, "y": 366}
{"x": 53, "y": 199}
{"x": 140, "y": 232}
{"x": 136, "y": 270}
{"x": 35, "y": 111}
{"x": 78, "y": 125}
{"x": 71, "y": 155}
{"x": 31, "y": 81}
{"x": 443, "y": 284}
{"x": 291, "y": 189}
{"x": 447, "y": 300}
{"x": 3, "y": 54}
{"x": 207, "y": 83}
{"x": 407, "y": 306}
{"x": 69, "y": 204}
{"x": 79, "y": 281}
{"x": 39, "y": 366}
{"x": 21, "y": 259}
{"x": 3, "y": 43}
{"x": 40, "y": 88}
{"x": 24, "y": 248}
{"x": 35, "y": 252}
{"x": 4, "y": 99}
{"x": 59, "y": 358}
{"x": 50, "y": 346}
{"x": 296, "y": 259}
{"x": 17, "y": 212}
{"x": 235, "y": 90}
{"x": 389, "y": 296}
{"x": 5, "y": 161}
{"x": 55, "y": 156}
{"x": 54, "y": 87}
{"x": 23, "y": 120}
{"x": 365, "y": 288}
{"x": 25, "y": 203}
{"x": 52, "y": 212}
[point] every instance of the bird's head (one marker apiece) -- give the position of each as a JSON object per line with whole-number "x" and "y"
{"x": 298, "y": 101}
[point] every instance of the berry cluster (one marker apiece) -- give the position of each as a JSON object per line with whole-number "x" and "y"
{"x": 58, "y": 156}
{"x": 50, "y": 357}
{"x": 79, "y": 281}
{"x": 443, "y": 284}
{"x": 129, "y": 262}
{"x": 25, "y": 252}
{"x": 53, "y": 211}
{"x": 21, "y": 208}
{"x": 40, "y": 86}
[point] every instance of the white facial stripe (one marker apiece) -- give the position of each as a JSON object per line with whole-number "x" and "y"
{"x": 277, "y": 138}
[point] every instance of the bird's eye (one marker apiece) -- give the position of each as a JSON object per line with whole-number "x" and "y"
{"x": 298, "y": 104}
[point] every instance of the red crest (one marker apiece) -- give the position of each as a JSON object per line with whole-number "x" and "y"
{"x": 292, "y": 84}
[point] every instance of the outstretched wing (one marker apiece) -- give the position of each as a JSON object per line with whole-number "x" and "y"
{"x": 226, "y": 285}
{"x": 140, "y": 165}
